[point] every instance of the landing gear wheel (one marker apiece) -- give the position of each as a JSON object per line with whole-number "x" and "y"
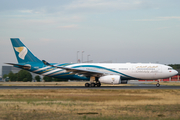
{"x": 98, "y": 84}
{"x": 87, "y": 84}
{"x": 157, "y": 85}
{"x": 92, "y": 84}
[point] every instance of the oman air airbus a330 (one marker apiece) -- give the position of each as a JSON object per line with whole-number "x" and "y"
{"x": 96, "y": 73}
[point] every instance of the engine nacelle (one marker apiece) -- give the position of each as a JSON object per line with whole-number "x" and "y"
{"x": 111, "y": 79}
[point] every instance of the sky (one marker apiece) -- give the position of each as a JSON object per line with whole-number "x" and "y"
{"x": 120, "y": 31}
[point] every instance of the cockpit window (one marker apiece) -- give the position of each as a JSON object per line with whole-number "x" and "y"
{"x": 169, "y": 68}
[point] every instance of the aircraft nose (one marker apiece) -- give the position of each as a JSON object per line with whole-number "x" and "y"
{"x": 176, "y": 72}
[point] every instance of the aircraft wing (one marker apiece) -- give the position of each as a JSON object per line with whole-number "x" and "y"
{"x": 82, "y": 71}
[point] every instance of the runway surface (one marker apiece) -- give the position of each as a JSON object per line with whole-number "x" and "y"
{"x": 82, "y": 87}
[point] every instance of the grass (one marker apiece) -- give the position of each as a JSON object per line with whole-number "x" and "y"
{"x": 90, "y": 104}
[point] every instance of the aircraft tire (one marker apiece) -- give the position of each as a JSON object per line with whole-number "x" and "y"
{"x": 157, "y": 85}
{"x": 87, "y": 84}
{"x": 92, "y": 84}
{"x": 98, "y": 84}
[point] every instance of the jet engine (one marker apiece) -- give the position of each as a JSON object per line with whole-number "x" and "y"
{"x": 111, "y": 79}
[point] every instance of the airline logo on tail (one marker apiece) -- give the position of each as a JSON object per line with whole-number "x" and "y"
{"x": 22, "y": 51}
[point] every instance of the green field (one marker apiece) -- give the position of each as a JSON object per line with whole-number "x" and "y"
{"x": 87, "y": 104}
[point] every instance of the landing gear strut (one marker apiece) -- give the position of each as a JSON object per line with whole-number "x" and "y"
{"x": 98, "y": 84}
{"x": 93, "y": 84}
{"x": 157, "y": 85}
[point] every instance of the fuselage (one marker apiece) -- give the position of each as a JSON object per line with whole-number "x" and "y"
{"x": 127, "y": 71}
{"x": 96, "y": 73}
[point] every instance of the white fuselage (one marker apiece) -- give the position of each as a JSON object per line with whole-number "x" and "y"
{"x": 146, "y": 71}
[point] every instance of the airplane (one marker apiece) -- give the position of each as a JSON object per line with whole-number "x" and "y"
{"x": 95, "y": 73}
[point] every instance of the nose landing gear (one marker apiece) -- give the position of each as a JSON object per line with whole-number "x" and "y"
{"x": 158, "y": 85}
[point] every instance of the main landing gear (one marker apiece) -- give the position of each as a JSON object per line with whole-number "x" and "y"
{"x": 98, "y": 84}
{"x": 94, "y": 81}
{"x": 158, "y": 85}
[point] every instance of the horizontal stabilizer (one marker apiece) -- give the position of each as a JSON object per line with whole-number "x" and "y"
{"x": 21, "y": 66}
{"x": 45, "y": 62}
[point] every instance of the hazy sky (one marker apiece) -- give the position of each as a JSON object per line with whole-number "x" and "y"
{"x": 117, "y": 30}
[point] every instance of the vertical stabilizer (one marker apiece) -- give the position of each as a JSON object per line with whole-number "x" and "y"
{"x": 23, "y": 54}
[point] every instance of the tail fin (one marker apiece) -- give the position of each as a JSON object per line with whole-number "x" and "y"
{"x": 23, "y": 54}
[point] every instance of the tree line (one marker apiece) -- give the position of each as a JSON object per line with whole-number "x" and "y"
{"x": 25, "y": 76}
{"x": 175, "y": 66}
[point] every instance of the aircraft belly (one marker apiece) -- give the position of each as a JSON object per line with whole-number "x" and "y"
{"x": 148, "y": 76}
